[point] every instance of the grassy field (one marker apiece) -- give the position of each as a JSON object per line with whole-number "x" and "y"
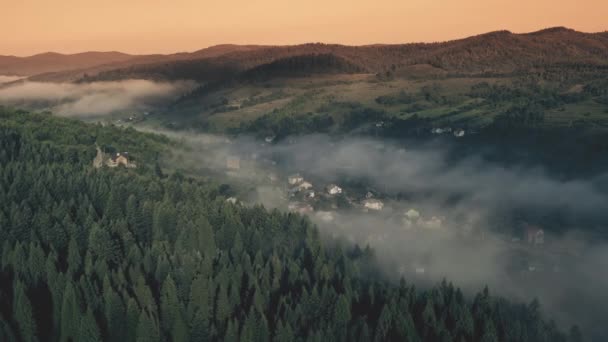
{"x": 442, "y": 101}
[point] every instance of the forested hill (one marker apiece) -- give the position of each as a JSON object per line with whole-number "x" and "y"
{"x": 130, "y": 254}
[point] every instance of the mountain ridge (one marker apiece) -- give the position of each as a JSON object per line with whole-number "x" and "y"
{"x": 493, "y": 52}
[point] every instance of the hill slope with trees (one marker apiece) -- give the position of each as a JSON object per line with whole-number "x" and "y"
{"x": 135, "y": 255}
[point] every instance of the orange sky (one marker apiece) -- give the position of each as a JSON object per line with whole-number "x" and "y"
{"x": 163, "y": 26}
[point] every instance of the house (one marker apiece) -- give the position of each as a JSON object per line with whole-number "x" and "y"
{"x": 534, "y": 235}
{"x": 373, "y": 204}
{"x": 410, "y": 218}
{"x": 310, "y": 194}
{"x": 459, "y": 133}
{"x": 304, "y": 186}
{"x": 295, "y": 179}
{"x": 120, "y": 159}
{"x": 412, "y": 214}
{"x": 232, "y": 200}
{"x": 333, "y": 189}
{"x": 233, "y": 163}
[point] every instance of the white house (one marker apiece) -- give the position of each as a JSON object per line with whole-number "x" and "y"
{"x": 333, "y": 189}
{"x": 304, "y": 186}
{"x": 373, "y": 204}
{"x": 412, "y": 214}
{"x": 295, "y": 179}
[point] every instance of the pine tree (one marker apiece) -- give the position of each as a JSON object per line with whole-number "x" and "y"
{"x": 88, "y": 331}
{"x": 115, "y": 314}
{"x": 147, "y": 329}
{"x": 70, "y": 313}
{"x": 23, "y": 314}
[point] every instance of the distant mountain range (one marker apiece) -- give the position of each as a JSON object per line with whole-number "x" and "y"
{"x": 499, "y": 52}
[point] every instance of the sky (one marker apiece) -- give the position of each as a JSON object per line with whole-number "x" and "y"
{"x": 164, "y": 26}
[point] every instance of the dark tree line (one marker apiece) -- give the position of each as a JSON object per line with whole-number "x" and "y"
{"x": 125, "y": 255}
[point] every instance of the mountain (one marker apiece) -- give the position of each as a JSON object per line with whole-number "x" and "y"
{"x": 495, "y": 52}
{"x": 499, "y": 52}
{"x": 51, "y": 61}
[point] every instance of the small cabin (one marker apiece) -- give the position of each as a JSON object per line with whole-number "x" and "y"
{"x": 295, "y": 179}
{"x": 120, "y": 159}
{"x": 305, "y": 186}
{"x": 333, "y": 189}
{"x": 373, "y": 204}
{"x": 412, "y": 214}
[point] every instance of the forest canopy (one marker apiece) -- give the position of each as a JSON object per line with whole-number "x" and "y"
{"x": 132, "y": 254}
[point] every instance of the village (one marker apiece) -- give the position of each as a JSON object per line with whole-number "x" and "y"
{"x": 331, "y": 205}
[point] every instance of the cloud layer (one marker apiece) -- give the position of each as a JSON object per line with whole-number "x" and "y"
{"x": 6, "y": 79}
{"x": 481, "y": 206}
{"x": 92, "y": 99}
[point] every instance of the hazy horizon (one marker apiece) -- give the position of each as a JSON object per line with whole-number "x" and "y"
{"x": 68, "y": 26}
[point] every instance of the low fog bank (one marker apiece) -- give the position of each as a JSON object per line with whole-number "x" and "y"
{"x": 92, "y": 99}
{"x": 466, "y": 221}
{"x": 7, "y": 79}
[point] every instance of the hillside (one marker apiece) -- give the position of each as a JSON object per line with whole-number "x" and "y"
{"x": 500, "y": 52}
{"x": 136, "y": 255}
{"x": 56, "y": 62}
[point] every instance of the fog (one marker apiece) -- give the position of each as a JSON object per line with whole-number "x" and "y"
{"x": 466, "y": 222}
{"x": 7, "y": 79}
{"x": 92, "y": 99}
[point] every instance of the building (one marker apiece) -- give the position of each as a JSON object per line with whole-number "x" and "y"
{"x": 120, "y": 159}
{"x": 373, "y": 204}
{"x": 233, "y": 163}
{"x": 459, "y": 133}
{"x": 412, "y": 214}
{"x": 304, "y": 186}
{"x": 295, "y": 179}
{"x": 333, "y": 189}
{"x": 269, "y": 139}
